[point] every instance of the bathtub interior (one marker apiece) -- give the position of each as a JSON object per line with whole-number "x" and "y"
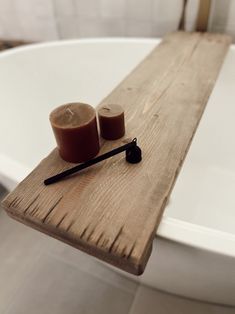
{"x": 38, "y": 79}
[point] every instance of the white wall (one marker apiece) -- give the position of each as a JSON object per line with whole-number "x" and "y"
{"x": 38, "y": 20}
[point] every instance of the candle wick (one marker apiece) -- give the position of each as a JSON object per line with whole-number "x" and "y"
{"x": 70, "y": 111}
{"x": 106, "y": 108}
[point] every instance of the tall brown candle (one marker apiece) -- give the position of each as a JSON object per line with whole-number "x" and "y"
{"x": 111, "y": 121}
{"x": 75, "y": 129}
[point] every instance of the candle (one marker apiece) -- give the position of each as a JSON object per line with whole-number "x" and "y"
{"x": 111, "y": 121}
{"x": 75, "y": 129}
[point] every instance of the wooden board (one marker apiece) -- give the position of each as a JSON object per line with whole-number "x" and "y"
{"x": 112, "y": 210}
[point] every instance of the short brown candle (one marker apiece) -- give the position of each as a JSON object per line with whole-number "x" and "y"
{"x": 75, "y": 129}
{"x": 111, "y": 121}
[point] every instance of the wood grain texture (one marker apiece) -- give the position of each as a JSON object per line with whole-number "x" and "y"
{"x": 112, "y": 210}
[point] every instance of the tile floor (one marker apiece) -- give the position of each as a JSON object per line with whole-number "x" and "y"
{"x": 41, "y": 275}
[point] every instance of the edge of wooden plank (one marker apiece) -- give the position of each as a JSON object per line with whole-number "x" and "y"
{"x": 113, "y": 260}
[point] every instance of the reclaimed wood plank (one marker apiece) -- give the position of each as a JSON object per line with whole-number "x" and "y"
{"x": 112, "y": 210}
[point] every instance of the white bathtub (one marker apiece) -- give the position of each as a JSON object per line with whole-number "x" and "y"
{"x": 194, "y": 251}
